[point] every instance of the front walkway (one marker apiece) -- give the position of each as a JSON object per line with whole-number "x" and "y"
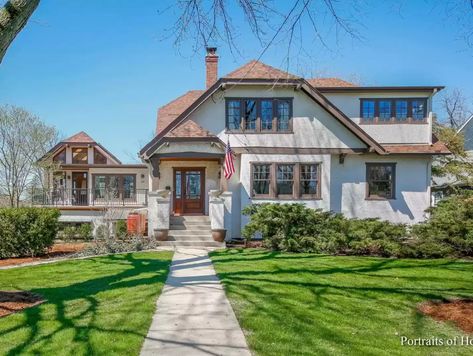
{"x": 193, "y": 315}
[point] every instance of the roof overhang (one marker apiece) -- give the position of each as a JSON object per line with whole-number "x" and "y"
{"x": 298, "y": 84}
{"x": 433, "y": 89}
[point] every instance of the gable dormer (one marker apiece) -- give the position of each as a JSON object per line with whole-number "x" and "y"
{"x": 81, "y": 149}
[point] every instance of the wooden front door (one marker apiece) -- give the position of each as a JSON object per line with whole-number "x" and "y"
{"x": 189, "y": 190}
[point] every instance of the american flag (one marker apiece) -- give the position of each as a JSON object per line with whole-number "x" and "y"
{"x": 229, "y": 168}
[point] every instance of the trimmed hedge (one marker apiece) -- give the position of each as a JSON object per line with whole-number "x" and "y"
{"x": 27, "y": 231}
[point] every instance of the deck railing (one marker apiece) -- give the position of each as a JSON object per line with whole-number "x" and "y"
{"x": 90, "y": 197}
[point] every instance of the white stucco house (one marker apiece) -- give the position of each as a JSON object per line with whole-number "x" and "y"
{"x": 359, "y": 150}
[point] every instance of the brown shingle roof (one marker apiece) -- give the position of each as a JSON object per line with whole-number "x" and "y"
{"x": 258, "y": 70}
{"x": 329, "y": 83}
{"x": 189, "y": 129}
{"x": 80, "y": 137}
{"x": 168, "y": 112}
{"x": 437, "y": 147}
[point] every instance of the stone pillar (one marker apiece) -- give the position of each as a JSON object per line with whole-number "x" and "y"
{"x": 220, "y": 209}
{"x": 159, "y": 209}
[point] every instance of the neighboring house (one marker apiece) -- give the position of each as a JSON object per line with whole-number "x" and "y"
{"x": 84, "y": 179}
{"x": 330, "y": 144}
{"x": 442, "y": 186}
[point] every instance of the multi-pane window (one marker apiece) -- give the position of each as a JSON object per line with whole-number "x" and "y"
{"x": 418, "y": 109}
{"x": 285, "y": 179}
{"x": 261, "y": 179}
{"x": 79, "y": 155}
{"x": 259, "y": 114}
{"x": 283, "y": 115}
{"x": 99, "y": 158}
{"x": 309, "y": 179}
{"x": 367, "y": 109}
{"x": 405, "y": 110}
{"x": 380, "y": 179}
{"x": 250, "y": 115}
{"x": 234, "y": 114}
{"x": 384, "y": 109}
{"x": 401, "y": 110}
{"x": 267, "y": 115}
{"x": 114, "y": 186}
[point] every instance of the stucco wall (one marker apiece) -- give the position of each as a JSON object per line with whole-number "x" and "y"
{"x": 349, "y": 103}
{"x": 343, "y": 186}
{"x": 313, "y": 126}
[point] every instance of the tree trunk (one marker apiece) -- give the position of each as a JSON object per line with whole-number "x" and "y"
{"x": 13, "y": 18}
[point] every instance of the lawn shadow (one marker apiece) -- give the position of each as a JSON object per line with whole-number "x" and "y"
{"x": 88, "y": 290}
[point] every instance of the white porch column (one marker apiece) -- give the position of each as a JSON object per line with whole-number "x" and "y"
{"x": 159, "y": 209}
{"x": 220, "y": 211}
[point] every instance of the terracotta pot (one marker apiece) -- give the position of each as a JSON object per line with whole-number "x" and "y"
{"x": 219, "y": 234}
{"x": 161, "y": 235}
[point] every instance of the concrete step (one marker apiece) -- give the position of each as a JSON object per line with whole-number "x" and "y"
{"x": 187, "y": 226}
{"x": 191, "y": 218}
{"x": 190, "y": 238}
{"x": 206, "y": 231}
{"x": 192, "y": 243}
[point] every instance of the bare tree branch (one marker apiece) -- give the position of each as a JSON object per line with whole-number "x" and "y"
{"x": 13, "y": 17}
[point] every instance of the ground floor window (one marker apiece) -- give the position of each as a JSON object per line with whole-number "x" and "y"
{"x": 380, "y": 179}
{"x": 285, "y": 180}
{"x": 114, "y": 185}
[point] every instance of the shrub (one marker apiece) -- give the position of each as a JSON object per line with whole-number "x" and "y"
{"x": 73, "y": 232}
{"x": 27, "y": 231}
{"x": 296, "y": 228}
{"x": 449, "y": 229}
{"x": 121, "y": 229}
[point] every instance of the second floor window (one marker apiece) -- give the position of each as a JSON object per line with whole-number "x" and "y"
{"x": 60, "y": 157}
{"x": 259, "y": 115}
{"x": 79, "y": 155}
{"x": 402, "y": 110}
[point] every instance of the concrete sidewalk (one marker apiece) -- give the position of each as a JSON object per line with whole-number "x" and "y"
{"x": 193, "y": 315}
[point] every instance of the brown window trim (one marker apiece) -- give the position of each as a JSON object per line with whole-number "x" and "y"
{"x": 393, "y": 183}
{"x": 101, "y": 154}
{"x": 393, "y": 120}
{"x": 296, "y": 195}
{"x": 258, "y": 129}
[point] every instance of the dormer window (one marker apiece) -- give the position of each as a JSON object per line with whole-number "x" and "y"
{"x": 99, "y": 158}
{"x": 250, "y": 115}
{"x": 79, "y": 155}
{"x": 388, "y": 110}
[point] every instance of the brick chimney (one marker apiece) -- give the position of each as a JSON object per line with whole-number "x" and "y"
{"x": 211, "y": 66}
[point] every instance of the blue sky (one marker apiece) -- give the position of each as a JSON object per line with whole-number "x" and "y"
{"x": 103, "y": 66}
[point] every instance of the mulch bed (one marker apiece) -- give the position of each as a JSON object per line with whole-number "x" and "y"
{"x": 241, "y": 244}
{"x": 58, "y": 250}
{"x": 14, "y": 301}
{"x": 459, "y": 311}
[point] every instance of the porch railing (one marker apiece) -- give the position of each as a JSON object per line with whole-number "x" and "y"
{"x": 90, "y": 197}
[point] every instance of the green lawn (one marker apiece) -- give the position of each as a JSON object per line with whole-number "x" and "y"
{"x": 100, "y": 305}
{"x": 305, "y": 304}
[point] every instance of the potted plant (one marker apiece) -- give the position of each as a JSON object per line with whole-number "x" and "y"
{"x": 219, "y": 234}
